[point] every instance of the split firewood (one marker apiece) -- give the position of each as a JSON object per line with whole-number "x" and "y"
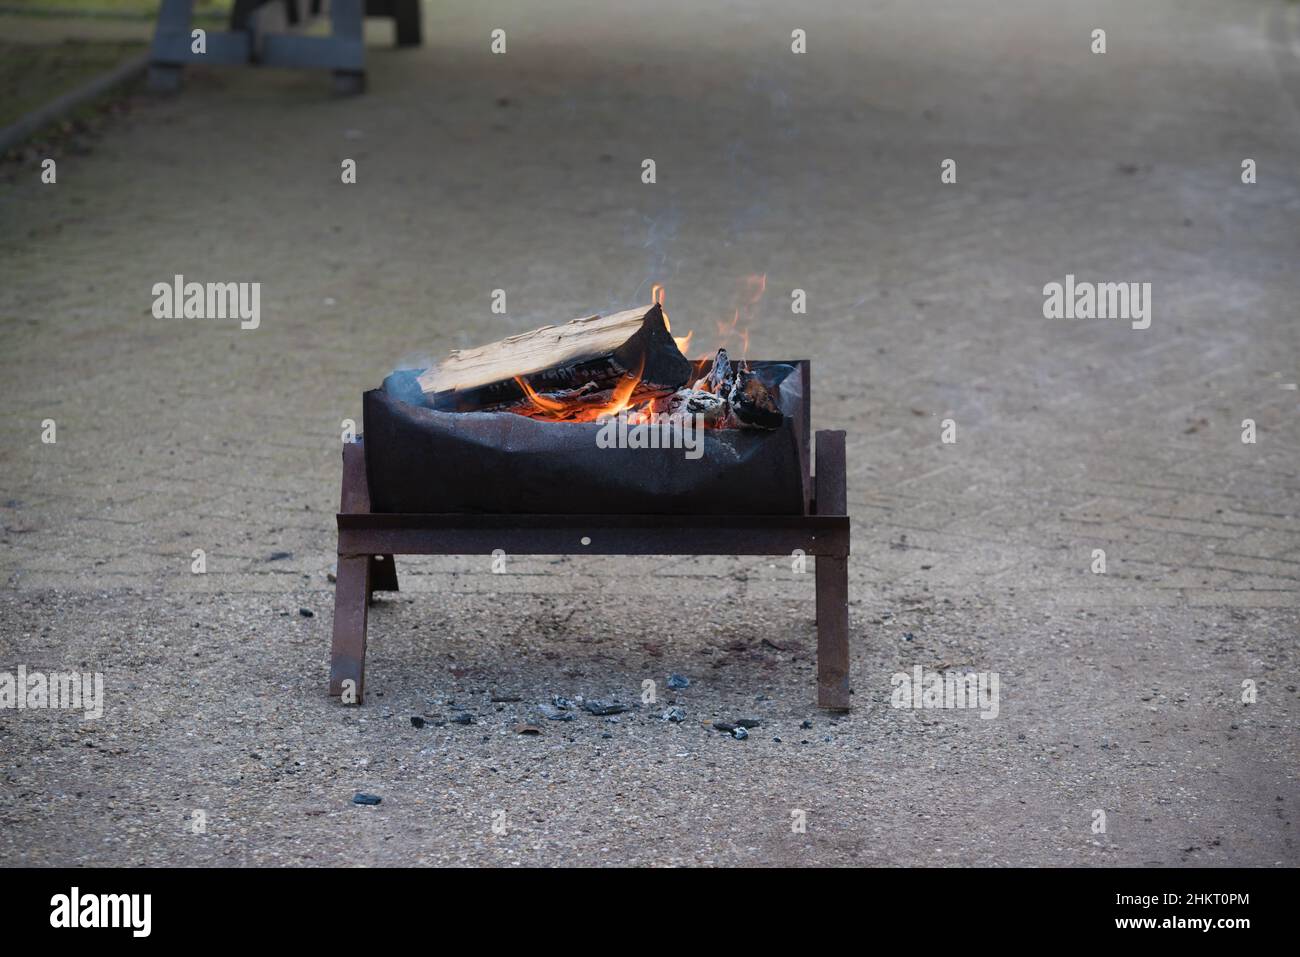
{"x": 604, "y": 351}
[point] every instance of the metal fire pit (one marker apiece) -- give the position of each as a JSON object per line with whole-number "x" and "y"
{"x": 419, "y": 459}
{"x": 417, "y": 483}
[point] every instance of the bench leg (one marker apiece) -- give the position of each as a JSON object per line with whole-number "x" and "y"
{"x": 348, "y": 651}
{"x": 346, "y": 18}
{"x": 383, "y": 573}
{"x": 406, "y": 19}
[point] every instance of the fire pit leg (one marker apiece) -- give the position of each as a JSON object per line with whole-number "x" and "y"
{"x": 832, "y": 580}
{"x": 348, "y": 651}
{"x": 354, "y": 582}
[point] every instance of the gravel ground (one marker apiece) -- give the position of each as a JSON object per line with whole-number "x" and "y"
{"x": 1119, "y": 692}
{"x": 215, "y": 705}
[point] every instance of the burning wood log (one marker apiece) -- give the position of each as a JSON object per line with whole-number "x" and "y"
{"x": 579, "y": 360}
{"x": 583, "y": 404}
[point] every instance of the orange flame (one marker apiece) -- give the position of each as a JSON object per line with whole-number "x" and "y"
{"x": 747, "y": 298}
{"x": 545, "y": 405}
{"x": 577, "y": 410}
{"x": 622, "y": 395}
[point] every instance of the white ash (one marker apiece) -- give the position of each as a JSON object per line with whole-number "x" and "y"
{"x": 695, "y": 402}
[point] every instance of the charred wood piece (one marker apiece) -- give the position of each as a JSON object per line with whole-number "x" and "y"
{"x": 752, "y": 404}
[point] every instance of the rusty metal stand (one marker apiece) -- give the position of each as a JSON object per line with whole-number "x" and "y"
{"x": 369, "y": 540}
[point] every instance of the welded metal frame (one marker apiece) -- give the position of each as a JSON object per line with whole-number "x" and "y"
{"x": 367, "y": 542}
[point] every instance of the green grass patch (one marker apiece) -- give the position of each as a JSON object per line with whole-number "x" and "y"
{"x": 142, "y": 9}
{"x": 33, "y": 74}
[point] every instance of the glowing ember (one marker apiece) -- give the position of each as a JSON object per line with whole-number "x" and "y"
{"x": 543, "y": 404}
{"x": 622, "y": 393}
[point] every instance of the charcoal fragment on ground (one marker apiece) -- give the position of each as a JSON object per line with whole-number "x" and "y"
{"x": 601, "y": 709}
{"x": 552, "y": 713}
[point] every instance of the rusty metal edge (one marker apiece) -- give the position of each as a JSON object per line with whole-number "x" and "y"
{"x": 414, "y": 534}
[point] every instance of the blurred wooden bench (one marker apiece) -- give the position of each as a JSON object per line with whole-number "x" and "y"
{"x": 269, "y": 32}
